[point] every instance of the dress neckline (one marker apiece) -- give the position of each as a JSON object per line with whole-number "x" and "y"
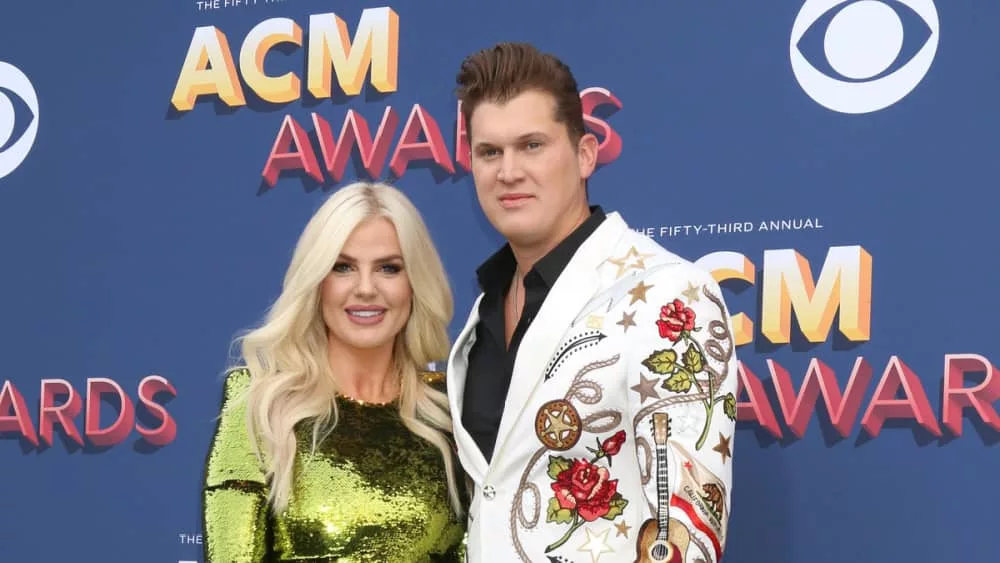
{"x": 366, "y": 404}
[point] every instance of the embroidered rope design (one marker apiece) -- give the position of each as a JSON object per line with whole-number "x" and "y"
{"x": 587, "y": 392}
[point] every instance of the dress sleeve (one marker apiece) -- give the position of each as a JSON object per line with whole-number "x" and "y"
{"x": 455, "y": 544}
{"x": 234, "y": 494}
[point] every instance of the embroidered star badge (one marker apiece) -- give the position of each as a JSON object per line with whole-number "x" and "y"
{"x": 623, "y": 262}
{"x": 723, "y": 447}
{"x": 623, "y": 529}
{"x": 596, "y": 544}
{"x": 646, "y": 389}
{"x": 691, "y": 293}
{"x": 628, "y": 319}
{"x": 638, "y": 292}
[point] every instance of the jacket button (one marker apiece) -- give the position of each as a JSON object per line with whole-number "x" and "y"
{"x": 489, "y": 492}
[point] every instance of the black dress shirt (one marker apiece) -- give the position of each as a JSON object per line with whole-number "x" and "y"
{"x": 491, "y": 364}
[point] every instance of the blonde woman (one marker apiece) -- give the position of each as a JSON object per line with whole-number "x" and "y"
{"x": 350, "y": 457}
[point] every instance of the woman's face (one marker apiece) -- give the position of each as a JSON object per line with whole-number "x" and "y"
{"x": 366, "y": 298}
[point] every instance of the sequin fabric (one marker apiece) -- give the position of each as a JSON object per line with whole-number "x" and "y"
{"x": 373, "y": 492}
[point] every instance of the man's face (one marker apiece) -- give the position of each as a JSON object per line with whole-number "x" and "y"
{"x": 528, "y": 173}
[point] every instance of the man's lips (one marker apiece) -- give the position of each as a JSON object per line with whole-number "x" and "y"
{"x": 513, "y": 200}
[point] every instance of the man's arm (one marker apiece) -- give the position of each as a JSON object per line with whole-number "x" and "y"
{"x": 682, "y": 403}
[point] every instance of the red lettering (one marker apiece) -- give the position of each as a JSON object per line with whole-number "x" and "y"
{"x": 820, "y": 379}
{"x": 14, "y": 415}
{"x": 885, "y": 405}
{"x": 355, "y": 131}
{"x": 167, "y": 431}
{"x": 121, "y": 427}
{"x": 49, "y": 414}
{"x": 611, "y": 147}
{"x": 420, "y": 139}
{"x": 956, "y": 397}
{"x": 757, "y": 407}
{"x": 283, "y": 158}
{"x": 20, "y": 420}
{"x": 411, "y": 148}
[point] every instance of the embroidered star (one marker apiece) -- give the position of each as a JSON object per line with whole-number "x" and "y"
{"x": 646, "y": 389}
{"x": 556, "y": 426}
{"x": 686, "y": 420}
{"x": 628, "y": 319}
{"x": 623, "y": 265}
{"x": 596, "y": 544}
{"x": 723, "y": 447}
{"x": 623, "y": 528}
{"x": 638, "y": 292}
{"x": 687, "y": 465}
{"x": 691, "y": 293}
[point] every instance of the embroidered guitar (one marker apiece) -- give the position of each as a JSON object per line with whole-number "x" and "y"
{"x": 660, "y": 539}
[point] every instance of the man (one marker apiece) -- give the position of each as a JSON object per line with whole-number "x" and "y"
{"x": 593, "y": 386}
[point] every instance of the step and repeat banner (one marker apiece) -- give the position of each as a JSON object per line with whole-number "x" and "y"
{"x": 831, "y": 162}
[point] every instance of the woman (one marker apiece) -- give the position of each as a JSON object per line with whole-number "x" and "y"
{"x": 351, "y": 459}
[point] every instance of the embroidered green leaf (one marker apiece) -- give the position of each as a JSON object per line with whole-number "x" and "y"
{"x": 557, "y": 465}
{"x": 679, "y": 382}
{"x": 693, "y": 360}
{"x": 617, "y": 505}
{"x": 557, "y": 514}
{"x": 663, "y": 362}
{"x": 729, "y": 406}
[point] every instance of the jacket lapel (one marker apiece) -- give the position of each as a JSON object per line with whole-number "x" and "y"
{"x": 575, "y": 287}
{"x": 458, "y": 365}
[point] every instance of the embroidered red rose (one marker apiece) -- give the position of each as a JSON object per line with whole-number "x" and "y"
{"x": 613, "y": 445}
{"x": 586, "y": 488}
{"x": 675, "y": 318}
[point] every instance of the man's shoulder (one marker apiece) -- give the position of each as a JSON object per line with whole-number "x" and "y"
{"x": 654, "y": 261}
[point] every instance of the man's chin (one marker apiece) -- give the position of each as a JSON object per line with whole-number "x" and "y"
{"x": 524, "y": 238}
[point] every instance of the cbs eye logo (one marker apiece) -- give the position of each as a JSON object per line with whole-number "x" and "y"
{"x": 18, "y": 117}
{"x": 866, "y": 54}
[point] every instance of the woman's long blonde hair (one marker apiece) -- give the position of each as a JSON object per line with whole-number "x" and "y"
{"x": 291, "y": 377}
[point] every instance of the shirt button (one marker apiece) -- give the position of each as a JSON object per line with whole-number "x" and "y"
{"x": 489, "y": 492}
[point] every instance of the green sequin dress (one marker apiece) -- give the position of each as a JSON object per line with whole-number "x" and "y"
{"x": 373, "y": 492}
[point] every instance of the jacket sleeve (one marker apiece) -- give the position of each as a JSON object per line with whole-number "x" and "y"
{"x": 234, "y": 494}
{"x": 682, "y": 385}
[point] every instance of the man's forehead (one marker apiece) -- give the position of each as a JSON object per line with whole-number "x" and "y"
{"x": 492, "y": 122}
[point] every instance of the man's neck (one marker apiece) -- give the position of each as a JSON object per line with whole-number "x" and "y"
{"x": 527, "y": 256}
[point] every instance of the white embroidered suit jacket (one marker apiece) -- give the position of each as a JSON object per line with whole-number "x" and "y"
{"x": 628, "y": 331}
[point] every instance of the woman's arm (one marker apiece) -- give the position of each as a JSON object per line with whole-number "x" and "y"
{"x": 234, "y": 495}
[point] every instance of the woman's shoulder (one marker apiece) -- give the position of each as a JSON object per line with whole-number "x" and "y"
{"x": 235, "y": 382}
{"x": 235, "y": 385}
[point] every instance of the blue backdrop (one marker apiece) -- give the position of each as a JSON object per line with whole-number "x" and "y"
{"x": 830, "y": 161}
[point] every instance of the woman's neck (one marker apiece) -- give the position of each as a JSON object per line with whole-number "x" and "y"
{"x": 363, "y": 374}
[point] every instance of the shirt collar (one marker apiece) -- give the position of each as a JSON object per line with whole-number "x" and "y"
{"x": 498, "y": 270}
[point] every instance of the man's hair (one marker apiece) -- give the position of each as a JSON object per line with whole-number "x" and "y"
{"x": 499, "y": 73}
